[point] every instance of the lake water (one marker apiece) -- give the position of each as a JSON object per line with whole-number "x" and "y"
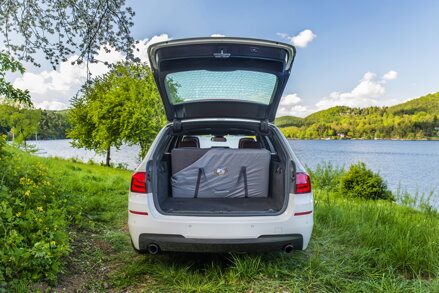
{"x": 412, "y": 165}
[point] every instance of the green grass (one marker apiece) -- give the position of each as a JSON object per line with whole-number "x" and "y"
{"x": 100, "y": 192}
{"x": 357, "y": 246}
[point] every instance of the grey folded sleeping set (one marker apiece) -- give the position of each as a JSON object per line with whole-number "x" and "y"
{"x": 219, "y": 173}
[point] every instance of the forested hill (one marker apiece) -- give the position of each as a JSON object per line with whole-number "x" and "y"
{"x": 24, "y": 123}
{"x": 415, "y": 119}
{"x": 289, "y": 121}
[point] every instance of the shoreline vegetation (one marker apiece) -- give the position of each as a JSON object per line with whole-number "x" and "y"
{"x": 416, "y": 119}
{"x": 392, "y": 139}
{"x": 355, "y": 138}
{"x": 64, "y": 226}
{"x": 22, "y": 124}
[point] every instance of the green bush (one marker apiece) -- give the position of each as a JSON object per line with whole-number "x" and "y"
{"x": 33, "y": 223}
{"x": 4, "y": 155}
{"x": 326, "y": 176}
{"x": 361, "y": 182}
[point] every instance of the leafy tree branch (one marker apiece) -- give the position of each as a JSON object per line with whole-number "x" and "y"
{"x": 7, "y": 91}
{"x": 60, "y": 28}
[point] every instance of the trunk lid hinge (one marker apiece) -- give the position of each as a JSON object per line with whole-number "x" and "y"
{"x": 176, "y": 124}
{"x": 264, "y": 126}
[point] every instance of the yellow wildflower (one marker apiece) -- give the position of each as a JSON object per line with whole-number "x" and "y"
{"x": 40, "y": 209}
{"x": 18, "y": 214}
{"x": 52, "y": 242}
{"x": 27, "y": 193}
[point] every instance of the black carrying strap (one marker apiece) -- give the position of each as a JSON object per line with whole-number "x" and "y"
{"x": 244, "y": 175}
{"x": 197, "y": 187}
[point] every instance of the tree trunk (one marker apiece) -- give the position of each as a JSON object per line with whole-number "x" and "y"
{"x": 108, "y": 159}
{"x": 24, "y": 142}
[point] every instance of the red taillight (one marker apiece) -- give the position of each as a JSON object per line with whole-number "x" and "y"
{"x": 303, "y": 183}
{"x": 138, "y": 182}
{"x": 139, "y": 213}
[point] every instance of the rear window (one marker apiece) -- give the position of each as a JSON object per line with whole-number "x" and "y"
{"x": 229, "y": 141}
{"x": 239, "y": 85}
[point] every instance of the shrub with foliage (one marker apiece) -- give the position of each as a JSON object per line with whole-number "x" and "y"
{"x": 4, "y": 155}
{"x": 33, "y": 221}
{"x": 361, "y": 182}
{"x": 326, "y": 176}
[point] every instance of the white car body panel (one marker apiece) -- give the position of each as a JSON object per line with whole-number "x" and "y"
{"x": 220, "y": 227}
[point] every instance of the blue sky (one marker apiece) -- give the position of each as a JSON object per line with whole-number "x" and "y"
{"x": 356, "y": 43}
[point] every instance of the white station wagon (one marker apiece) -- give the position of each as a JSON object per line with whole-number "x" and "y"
{"x": 220, "y": 177}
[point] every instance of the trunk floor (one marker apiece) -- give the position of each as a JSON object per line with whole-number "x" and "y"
{"x": 220, "y": 204}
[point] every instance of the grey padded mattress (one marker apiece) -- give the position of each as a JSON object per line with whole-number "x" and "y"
{"x": 220, "y": 173}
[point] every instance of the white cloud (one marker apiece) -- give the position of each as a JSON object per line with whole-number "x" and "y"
{"x": 392, "y": 74}
{"x": 301, "y": 40}
{"x": 51, "y": 105}
{"x": 53, "y": 89}
{"x": 141, "y": 50}
{"x": 289, "y": 106}
{"x": 367, "y": 93}
{"x": 217, "y": 35}
{"x": 297, "y": 110}
{"x": 289, "y": 100}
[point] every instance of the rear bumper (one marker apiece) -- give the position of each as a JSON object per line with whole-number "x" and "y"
{"x": 169, "y": 242}
{"x": 192, "y": 233}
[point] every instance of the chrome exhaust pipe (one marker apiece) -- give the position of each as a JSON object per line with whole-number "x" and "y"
{"x": 288, "y": 248}
{"x": 153, "y": 248}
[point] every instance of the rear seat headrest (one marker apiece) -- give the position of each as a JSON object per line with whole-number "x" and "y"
{"x": 244, "y": 139}
{"x": 249, "y": 143}
{"x": 189, "y": 142}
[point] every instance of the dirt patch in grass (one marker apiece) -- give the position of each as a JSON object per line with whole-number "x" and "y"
{"x": 88, "y": 266}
